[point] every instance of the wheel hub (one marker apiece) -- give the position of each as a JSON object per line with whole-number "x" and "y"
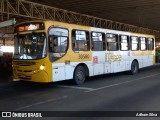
{"x": 80, "y": 75}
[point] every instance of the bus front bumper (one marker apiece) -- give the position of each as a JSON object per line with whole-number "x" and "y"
{"x": 40, "y": 76}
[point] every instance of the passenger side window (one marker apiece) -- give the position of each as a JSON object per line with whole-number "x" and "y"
{"x": 134, "y": 43}
{"x": 80, "y": 40}
{"x": 124, "y": 42}
{"x": 143, "y": 43}
{"x": 98, "y": 41}
{"x": 112, "y": 42}
{"x": 150, "y": 43}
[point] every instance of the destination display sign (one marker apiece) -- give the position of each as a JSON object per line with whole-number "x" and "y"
{"x": 29, "y": 27}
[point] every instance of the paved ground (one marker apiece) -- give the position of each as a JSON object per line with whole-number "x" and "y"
{"x": 113, "y": 92}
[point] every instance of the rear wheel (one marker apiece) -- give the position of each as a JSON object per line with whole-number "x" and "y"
{"x": 79, "y": 75}
{"x": 134, "y": 68}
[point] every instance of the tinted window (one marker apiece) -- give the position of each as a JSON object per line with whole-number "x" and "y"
{"x": 143, "y": 43}
{"x": 112, "y": 42}
{"x": 98, "y": 41}
{"x": 124, "y": 42}
{"x": 134, "y": 43}
{"x": 150, "y": 43}
{"x": 80, "y": 40}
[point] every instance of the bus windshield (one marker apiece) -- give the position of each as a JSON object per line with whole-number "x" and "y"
{"x": 30, "y": 46}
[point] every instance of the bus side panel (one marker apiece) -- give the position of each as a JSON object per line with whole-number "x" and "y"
{"x": 151, "y": 58}
{"x": 62, "y": 71}
{"x": 150, "y": 62}
{"x": 136, "y": 55}
{"x": 98, "y": 62}
{"x": 139, "y": 59}
{"x": 70, "y": 68}
{"x": 58, "y": 72}
{"x": 120, "y": 61}
{"x": 117, "y": 61}
{"x": 145, "y": 60}
{"x": 69, "y": 71}
{"x": 128, "y": 65}
{"x": 126, "y": 60}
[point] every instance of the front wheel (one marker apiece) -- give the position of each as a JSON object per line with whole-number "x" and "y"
{"x": 134, "y": 68}
{"x": 79, "y": 75}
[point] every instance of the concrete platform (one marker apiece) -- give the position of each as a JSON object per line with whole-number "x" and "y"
{"x": 112, "y": 92}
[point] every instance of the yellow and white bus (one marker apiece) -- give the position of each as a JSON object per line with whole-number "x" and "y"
{"x": 50, "y": 51}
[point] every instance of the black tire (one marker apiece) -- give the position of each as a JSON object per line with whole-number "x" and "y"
{"x": 134, "y": 68}
{"x": 79, "y": 75}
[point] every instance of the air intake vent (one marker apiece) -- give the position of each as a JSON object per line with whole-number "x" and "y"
{"x": 24, "y": 63}
{"x": 28, "y": 71}
{"x": 22, "y": 77}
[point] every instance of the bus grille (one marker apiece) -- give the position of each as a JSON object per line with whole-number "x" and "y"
{"x": 25, "y": 71}
{"x": 24, "y": 63}
{"x": 24, "y": 77}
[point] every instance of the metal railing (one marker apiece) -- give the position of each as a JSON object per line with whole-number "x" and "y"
{"x": 33, "y": 10}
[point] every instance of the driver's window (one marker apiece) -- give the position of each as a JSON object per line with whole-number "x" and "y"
{"x": 58, "y": 42}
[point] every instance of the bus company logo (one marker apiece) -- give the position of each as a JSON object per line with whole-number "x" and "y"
{"x": 112, "y": 57}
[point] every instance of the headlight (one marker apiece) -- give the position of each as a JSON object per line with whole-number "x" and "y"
{"x": 42, "y": 67}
